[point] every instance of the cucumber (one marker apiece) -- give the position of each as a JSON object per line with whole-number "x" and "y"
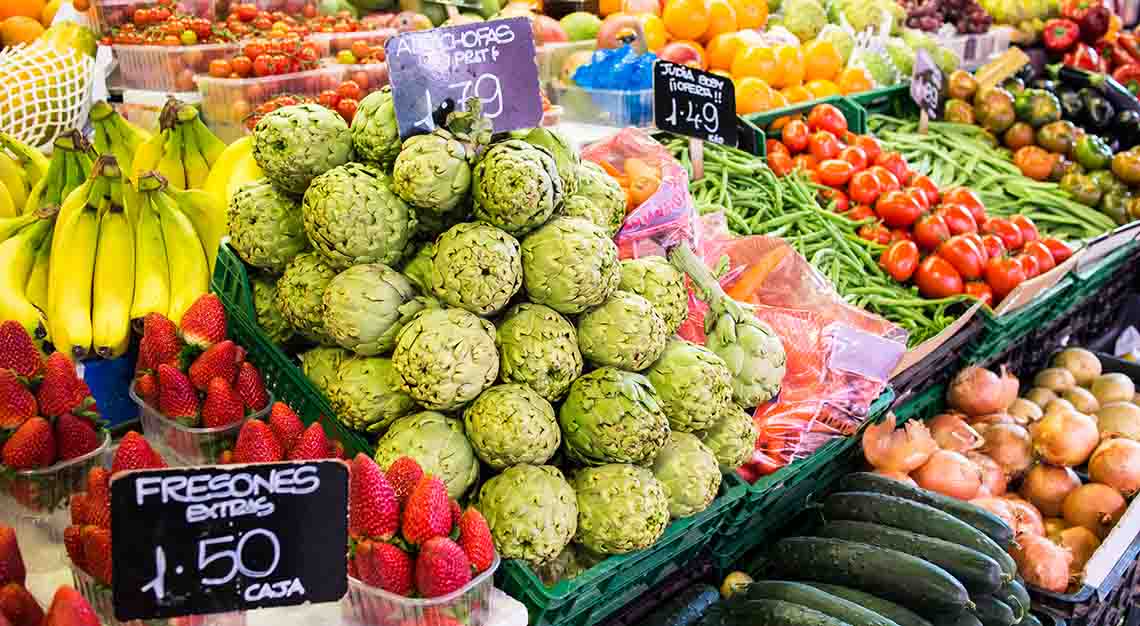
{"x": 1013, "y": 593}
{"x": 965, "y": 618}
{"x": 817, "y": 599}
{"x": 776, "y": 613}
{"x": 894, "y": 575}
{"x": 894, "y": 612}
{"x": 993, "y": 612}
{"x": 1030, "y": 620}
{"x": 686, "y": 608}
{"x": 975, "y": 516}
{"x": 877, "y": 508}
{"x": 976, "y": 571}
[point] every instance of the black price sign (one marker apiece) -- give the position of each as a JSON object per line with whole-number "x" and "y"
{"x": 689, "y": 102}
{"x": 191, "y": 541}
{"x": 926, "y": 84}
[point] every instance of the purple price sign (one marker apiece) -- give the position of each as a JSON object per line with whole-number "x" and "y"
{"x": 435, "y": 71}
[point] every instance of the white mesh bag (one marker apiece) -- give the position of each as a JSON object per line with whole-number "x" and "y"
{"x": 44, "y": 91}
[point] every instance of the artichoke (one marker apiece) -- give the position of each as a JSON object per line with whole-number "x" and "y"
{"x": 476, "y": 267}
{"x": 429, "y": 224}
{"x": 295, "y": 144}
{"x": 612, "y": 416}
{"x": 625, "y": 331}
{"x": 433, "y": 171}
{"x": 366, "y": 394}
{"x": 352, "y": 217}
{"x": 437, "y": 443}
{"x": 365, "y": 306}
{"x": 516, "y": 187}
{"x": 694, "y": 385}
{"x": 566, "y": 158}
{"x": 418, "y": 268}
{"x": 446, "y": 357}
{"x": 570, "y": 265}
{"x": 269, "y": 316}
{"x": 656, "y": 280}
{"x": 374, "y": 132}
{"x": 607, "y": 199}
{"x": 266, "y": 228}
{"x": 569, "y": 563}
{"x": 539, "y": 348}
{"x": 732, "y": 438}
{"x": 300, "y": 293}
{"x": 621, "y": 508}
{"x": 320, "y": 365}
{"x": 531, "y": 510}
{"x": 512, "y": 424}
{"x": 688, "y": 472}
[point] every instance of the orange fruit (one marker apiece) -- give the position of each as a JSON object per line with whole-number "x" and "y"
{"x": 795, "y": 94}
{"x": 637, "y": 7}
{"x": 750, "y": 13}
{"x": 50, "y": 9}
{"x": 720, "y": 72}
{"x": 722, "y": 49}
{"x": 855, "y": 80}
{"x": 821, "y": 60}
{"x": 19, "y": 29}
{"x": 753, "y": 95}
{"x": 27, "y": 8}
{"x": 609, "y": 7}
{"x": 722, "y": 19}
{"x": 702, "y": 60}
{"x": 686, "y": 19}
{"x": 757, "y": 63}
{"x": 752, "y": 38}
{"x": 654, "y": 28}
{"x": 822, "y": 88}
{"x": 791, "y": 60}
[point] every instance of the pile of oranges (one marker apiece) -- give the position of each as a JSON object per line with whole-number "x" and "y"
{"x": 22, "y": 21}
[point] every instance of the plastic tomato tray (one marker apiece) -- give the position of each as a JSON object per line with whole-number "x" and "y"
{"x": 107, "y": 14}
{"x": 226, "y": 102}
{"x": 168, "y": 68}
{"x": 328, "y": 44}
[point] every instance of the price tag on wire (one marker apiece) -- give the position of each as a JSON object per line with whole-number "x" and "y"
{"x": 699, "y": 105}
{"x": 213, "y": 539}
{"x": 435, "y": 71}
{"x": 926, "y": 88}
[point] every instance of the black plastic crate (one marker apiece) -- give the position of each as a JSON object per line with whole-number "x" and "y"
{"x": 635, "y": 612}
{"x": 1111, "y": 604}
{"x": 940, "y": 365}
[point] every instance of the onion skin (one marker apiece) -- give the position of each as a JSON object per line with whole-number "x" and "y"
{"x": 1057, "y": 379}
{"x": 1025, "y": 411}
{"x": 993, "y": 418}
{"x": 899, "y": 476}
{"x": 1083, "y": 364}
{"x": 1082, "y": 400}
{"x": 951, "y": 432}
{"x": 978, "y": 391}
{"x": 900, "y": 450}
{"x": 950, "y": 474}
{"x": 993, "y": 476}
{"x": 1109, "y": 388}
{"x": 1042, "y": 563}
{"x": 1081, "y": 543}
{"x": 1053, "y": 528}
{"x": 1045, "y": 487}
{"x": 1095, "y": 506}
{"x": 1065, "y": 438}
{"x": 999, "y": 507}
{"x": 1026, "y": 518}
{"x": 1010, "y": 446}
{"x": 1040, "y": 396}
{"x": 1116, "y": 463}
{"x": 1119, "y": 419}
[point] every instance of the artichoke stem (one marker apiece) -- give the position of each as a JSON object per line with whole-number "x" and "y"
{"x": 683, "y": 258}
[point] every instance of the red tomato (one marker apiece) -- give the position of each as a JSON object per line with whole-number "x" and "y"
{"x": 976, "y": 239}
{"x": 804, "y": 162}
{"x": 900, "y": 259}
{"x": 261, "y": 66}
{"x": 958, "y": 218}
{"x": 864, "y": 188}
{"x": 887, "y": 180}
{"x": 898, "y": 209}
{"x": 1061, "y": 251}
{"x": 827, "y": 117}
{"x": 930, "y": 231}
{"x": 1010, "y": 234}
{"x": 968, "y": 199}
{"x": 855, "y": 156}
{"x": 1040, "y": 251}
{"x": 349, "y": 89}
{"x": 328, "y": 98}
{"x": 1003, "y": 274}
{"x": 860, "y": 212}
{"x": 795, "y": 136}
{"x": 254, "y": 49}
{"x": 870, "y": 146}
{"x": 823, "y": 145}
{"x": 993, "y": 245}
{"x": 242, "y": 66}
{"x": 347, "y": 108}
{"x": 875, "y": 232}
{"x": 780, "y": 163}
{"x": 1026, "y": 226}
{"x": 1029, "y": 265}
{"x": 933, "y": 197}
{"x": 900, "y": 234}
{"x": 919, "y": 197}
{"x": 981, "y": 291}
{"x": 964, "y": 255}
{"x": 895, "y": 163}
{"x": 835, "y": 172}
{"x": 835, "y": 198}
{"x": 774, "y": 146}
{"x": 936, "y": 278}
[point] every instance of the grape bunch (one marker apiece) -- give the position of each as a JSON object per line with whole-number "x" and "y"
{"x": 967, "y": 16}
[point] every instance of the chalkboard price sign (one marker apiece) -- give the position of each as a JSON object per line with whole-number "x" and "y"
{"x": 689, "y": 102}
{"x": 926, "y": 84}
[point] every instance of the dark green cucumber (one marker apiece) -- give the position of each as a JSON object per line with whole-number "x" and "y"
{"x": 1030, "y": 620}
{"x": 973, "y": 569}
{"x": 878, "y": 508}
{"x": 975, "y": 516}
{"x": 965, "y": 618}
{"x": 894, "y": 575}
{"x": 1013, "y": 594}
{"x": 777, "y": 613}
{"x": 993, "y": 612}
{"x": 818, "y": 599}
{"x": 686, "y": 608}
{"x": 895, "y": 612}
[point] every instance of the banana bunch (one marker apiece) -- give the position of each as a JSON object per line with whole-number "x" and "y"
{"x": 114, "y": 135}
{"x": 29, "y": 181}
{"x": 233, "y": 169}
{"x": 182, "y": 152}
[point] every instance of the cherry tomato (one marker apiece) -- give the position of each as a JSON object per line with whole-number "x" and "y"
{"x": 827, "y": 117}
{"x": 855, "y": 156}
{"x": 958, "y": 218}
{"x": 980, "y": 290}
{"x": 968, "y": 199}
{"x": 898, "y": 209}
{"x": 347, "y": 108}
{"x": 1027, "y": 227}
{"x": 864, "y": 188}
{"x": 795, "y": 136}
{"x": 870, "y": 146}
{"x": 1003, "y": 274}
{"x": 220, "y": 68}
{"x": 930, "y": 231}
{"x": 261, "y": 66}
{"x": 142, "y": 17}
{"x": 895, "y": 163}
{"x": 875, "y": 232}
{"x": 254, "y": 49}
{"x": 887, "y": 180}
{"x": 1029, "y": 265}
{"x": 328, "y": 99}
{"x": 901, "y": 234}
{"x": 1040, "y": 251}
{"x": 964, "y": 256}
{"x": 836, "y": 199}
{"x": 860, "y": 212}
{"x": 780, "y": 162}
{"x": 933, "y": 197}
{"x": 919, "y": 197}
{"x": 823, "y": 145}
{"x": 349, "y": 89}
{"x": 1061, "y": 251}
{"x": 993, "y": 246}
{"x": 900, "y": 259}
{"x": 1009, "y": 233}
{"x": 937, "y": 278}
{"x": 835, "y": 172}
{"x": 805, "y": 162}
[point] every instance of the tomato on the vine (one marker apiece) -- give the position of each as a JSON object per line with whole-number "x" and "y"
{"x": 1061, "y": 251}
{"x": 887, "y": 180}
{"x": 864, "y": 187}
{"x": 1003, "y": 274}
{"x": 835, "y": 198}
{"x": 835, "y": 172}
{"x": 876, "y": 232}
{"x": 855, "y": 156}
{"x": 993, "y": 246}
{"x": 967, "y": 198}
{"x": 900, "y": 260}
{"x": 827, "y": 117}
{"x": 870, "y": 147}
{"x": 964, "y": 255}
{"x": 937, "y": 278}
{"x": 980, "y": 290}
{"x": 1029, "y": 265}
{"x": 1040, "y": 251}
{"x": 958, "y": 218}
{"x": 919, "y": 181}
{"x": 919, "y": 197}
{"x": 897, "y": 209}
{"x": 930, "y": 230}
{"x": 795, "y": 135}
{"x": 1009, "y": 233}
{"x": 823, "y": 145}
{"x": 895, "y": 164}
{"x": 1026, "y": 226}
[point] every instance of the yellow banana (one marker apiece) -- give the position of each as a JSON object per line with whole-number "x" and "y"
{"x": 232, "y": 163}
{"x": 9, "y": 225}
{"x": 212, "y": 147}
{"x": 170, "y": 165}
{"x": 132, "y": 135}
{"x": 152, "y": 271}
{"x": 113, "y": 285}
{"x": 197, "y": 169}
{"x": 17, "y": 256}
{"x": 147, "y": 156}
{"x": 37, "y": 287}
{"x": 72, "y": 265}
{"x": 12, "y": 177}
{"x": 208, "y": 217}
{"x": 184, "y": 253}
{"x": 30, "y": 159}
{"x": 7, "y": 206}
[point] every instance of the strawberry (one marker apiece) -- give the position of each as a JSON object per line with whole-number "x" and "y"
{"x": 176, "y": 396}
{"x": 336, "y": 450}
{"x": 311, "y": 445}
{"x": 475, "y": 538}
{"x": 427, "y": 513}
{"x": 385, "y": 566}
{"x": 18, "y": 352}
{"x": 404, "y": 473}
{"x": 77, "y": 509}
{"x": 75, "y": 436}
{"x": 62, "y": 391}
{"x": 226, "y": 457}
{"x": 256, "y": 443}
{"x": 159, "y": 345}
{"x": 135, "y": 453}
{"x": 97, "y": 552}
{"x": 17, "y": 404}
{"x": 70, "y": 608}
{"x": 31, "y": 446}
{"x": 251, "y": 388}
{"x": 218, "y": 361}
{"x": 73, "y": 542}
{"x": 146, "y": 387}
{"x": 11, "y": 563}
{"x": 204, "y": 323}
{"x": 373, "y": 511}
{"x": 21, "y": 609}
{"x": 96, "y": 507}
{"x": 285, "y": 424}
{"x": 222, "y": 406}
{"x": 456, "y": 512}
{"x": 441, "y": 567}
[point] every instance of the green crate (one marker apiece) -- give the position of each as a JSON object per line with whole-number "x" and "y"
{"x": 231, "y": 280}
{"x": 856, "y": 116}
{"x": 894, "y": 101}
{"x": 1088, "y": 282}
{"x": 1000, "y": 331}
{"x": 923, "y": 405}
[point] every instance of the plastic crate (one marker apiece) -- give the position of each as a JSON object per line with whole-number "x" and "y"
{"x": 168, "y": 68}
{"x": 856, "y": 116}
{"x": 603, "y": 107}
{"x": 644, "y": 607}
{"x": 365, "y": 605}
{"x": 1108, "y": 605}
{"x": 183, "y": 446}
{"x": 938, "y": 366}
{"x": 998, "y": 333}
{"x": 975, "y": 51}
{"x": 226, "y": 102}
{"x": 894, "y": 101}
{"x": 107, "y": 14}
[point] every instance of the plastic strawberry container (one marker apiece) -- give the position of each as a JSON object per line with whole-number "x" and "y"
{"x": 108, "y": 14}
{"x": 168, "y": 68}
{"x": 365, "y": 605}
{"x": 183, "y": 446}
{"x": 101, "y": 599}
{"x": 226, "y": 102}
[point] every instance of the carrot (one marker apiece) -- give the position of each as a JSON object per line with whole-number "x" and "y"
{"x": 748, "y": 283}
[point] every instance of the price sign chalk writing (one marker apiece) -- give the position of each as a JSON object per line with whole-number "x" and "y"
{"x": 697, "y": 104}
{"x": 434, "y": 72}
{"x": 926, "y": 87}
{"x": 199, "y": 540}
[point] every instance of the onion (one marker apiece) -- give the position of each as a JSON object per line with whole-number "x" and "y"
{"x": 902, "y": 477}
{"x": 951, "y": 432}
{"x": 1026, "y": 518}
{"x": 1059, "y": 405}
{"x": 1009, "y": 445}
{"x": 993, "y": 476}
{"x": 1110, "y": 388}
{"x": 1083, "y": 364}
{"x": 1095, "y": 506}
{"x": 1025, "y": 411}
{"x": 1116, "y": 463}
{"x": 1058, "y": 379}
{"x": 999, "y": 507}
{"x": 899, "y": 449}
{"x": 1081, "y": 543}
{"x": 1042, "y": 563}
{"x": 1045, "y": 486}
{"x": 1040, "y": 396}
{"x": 992, "y": 418}
{"x": 1065, "y": 439}
{"x": 978, "y": 391}
{"x": 1053, "y": 528}
{"x": 950, "y": 474}
{"x": 1082, "y": 399}
{"x": 1119, "y": 419}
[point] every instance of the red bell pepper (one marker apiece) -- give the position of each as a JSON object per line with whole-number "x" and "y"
{"x": 1061, "y": 34}
{"x": 1085, "y": 58}
{"x": 1129, "y": 76}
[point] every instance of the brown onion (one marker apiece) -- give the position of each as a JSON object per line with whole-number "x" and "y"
{"x": 1010, "y": 446}
{"x": 902, "y": 477}
{"x": 1042, "y": 563}
{"x": 1058, "y": 379}
{"x": 1082, "y": 400}
{"x": 1025, "y": 411}
{"x": 1053, "y": 527}
{"x": 992, "y": 418}
{"x": 951, "y": 432}
{"x": 1040, "y": 396}
{"x": 1081, "y": 543}
{"x": 897, "y": 449}
{"x": 1116, "y": 463}
{"x": 999, "y": 507}
{"x": 1045, "y": 486}
{"x": 1059, "y": 405}
{"x": 978, "y": 391}
{"x": 1119, "y": 419}
{"x": 950, "y": 474}
{"x": 1115, "y": 387}
{"x": 1026, "y": 518}
{"x": 1083, "y": 364}
{"x": 1095, "y": 506}
{"x": 993, "y": 476}
{"x": 1065, "y": 438}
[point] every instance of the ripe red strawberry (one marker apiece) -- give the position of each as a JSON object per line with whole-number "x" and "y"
{"x": 11, "y": 563}
{"x": 159, "y": 345}
{"x": 176, "y": 396}
{"x": 427, "y": 513}
{"x": 218, "y": 361}
{"x": 256, "y": 443}
{"x": 77, "y": 509}
{"x": 222, "y": 406}
{"x": 146, "y": 387}
{"x": 62, "y": 391}
{"x": 311, "y": 445}
{"x": 404, "y": 473}
{"x": 73, "y": 542}
{"x": 475, "y": 537}
{"x": 75, "y": 436}
{"x": 204, "y": 323}
{"x": 17, "y": 404}
{"x": 97, "y": 552}
{"x": 96, "y": 501}
{"x": 456, "y": 512}
{"x": 17, "y": 350}
{"x": 285, "y": 424}
{"x": 251, "y": 388}
{"x": 441, "y": 568}
{"x": 135, "y": 453}
{"x": 31, "y": 446}
{"x": 336, "y": 450}
{"x": 70, "y": 608}
{"x": 385, "y": 566}
{"x": 21, "y": 609}
{"x": 373, "y": 511}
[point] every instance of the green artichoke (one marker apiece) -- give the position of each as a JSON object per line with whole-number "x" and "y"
{"x": 446, "y": 357}
{"x": 621, "y": 508}
{"x": 656, "y": 280}
{"x": 476, "y": 267}
{"x": 516, "y": 187}
{"x": 269, "y": 316}
{"x": 565, "y": 156}
{"x": 300, "y": 293}
{"x": 539, "y": 348}
{"x": 437, "y": 443}
{"x": 366, "y": 394}
{"x": 531, "y": 510}
{"x": 295, "y": 144}
{"x": 429, "y": 224}
{"x": 320, "y": 365}
{"x": 418, "y": 267}
{"x": 570, "y": 265}
{"x": 732, "y": 438}
{"x": 512, "y": 424}
{"x": 612, "y": 416}
{"x": 266, "y": 228}
{"x": 433, "y": 171}
{"x": 694, "y": 385}
{"x": 352, "y": 217}
{"x": 606, "y": 197}
{"x": 688, "y": 471}
{"x": 365, "y": 307}
{"x": 625, "y": 331}
{"x": 374, "y": 132}
{"x": 569, "y": 563}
